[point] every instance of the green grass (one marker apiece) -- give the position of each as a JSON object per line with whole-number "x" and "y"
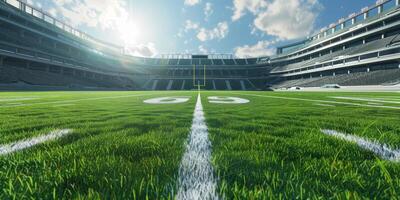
{"x": 270, "y": 148}
{"x": 119, "y": 148}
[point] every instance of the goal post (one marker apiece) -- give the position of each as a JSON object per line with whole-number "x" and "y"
{"x": 199, "y": 76}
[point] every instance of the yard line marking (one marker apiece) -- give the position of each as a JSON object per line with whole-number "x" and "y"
{"x": 13, "y": 97}
{"x": 62, "y": 105}
{"x": 78, "y": 100}
{"x": 383, "y": 150}
{"x": 17, "y": 99}
{"x": 373, "y": 103}
{"x": 320, "y": 101}
{"x": 196, "y": 174}
{"x": 16, "y": 103}
{"x": 388, "y": 98}
{"x": 325, "y": 105}
{"x": 24, "y": 144}
{"x": 366, "y": 99}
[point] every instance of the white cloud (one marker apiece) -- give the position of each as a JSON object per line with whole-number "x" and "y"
{"x": 219, "y": 32}
{"x": 289, "y": 19}
{"x": 241, "y": 6}
{"x": 189, "y": 25}
{"x": 262, "y": 48}
{"x": 38, "y": 5}
{"x": 203, "y": 50}
{"x": 107, "y": 16}
{"x": 208, "y": 10}
{"x": 92, "y": 13}
{"x": 202, "y": 35}
{"x": 143, "y": 50}
{"x": 192, "y": 2}
{"x": 53, "y": 12}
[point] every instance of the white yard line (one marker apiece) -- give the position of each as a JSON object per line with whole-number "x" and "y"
{"x": 373, "y": 103}
{"x": 320, "y": 101}
{"x": 324, "y": 105}
{"x": 14, "y": 97}
{"x": 63, "y": 105}
{"x": 24, "y": 144}
{"x": 17, "y": 99}
{"x": 196, "y": 174}
{"x": 382, "y": 150}
{"x": 16, "y": 103}
{"x": 366, "y": 99}
{"x": 388, "y": 99}
{"x": 77, "y": 100}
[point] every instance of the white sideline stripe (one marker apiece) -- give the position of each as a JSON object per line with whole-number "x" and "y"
{"x": 196, "y": 174}
{"x": 367, "y": 99}
{"x": 78, "y": 100}
{"x": 320, "y": 101}
{"x": 24, "y": 144}
{"x": 382, "y": 150}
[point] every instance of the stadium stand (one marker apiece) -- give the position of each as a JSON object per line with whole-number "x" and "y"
{"x": 37, "y": 49}
{"x": 381, "y": 77}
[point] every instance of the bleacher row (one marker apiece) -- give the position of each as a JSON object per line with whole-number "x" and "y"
{"x": 10, "y": 75}
{"x": 348, "y": 52}
{"x": 218, "y": 73}
{"x": 189, "y": 84}
{"x": 380, "y": 77}
{"x": 30, "y": 43}
{"x": 190, "y": 62}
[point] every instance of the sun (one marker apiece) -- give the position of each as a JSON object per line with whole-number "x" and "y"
{"x": 130, "y": 32}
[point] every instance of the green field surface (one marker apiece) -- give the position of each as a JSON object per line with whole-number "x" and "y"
{"x": 269, "y": 148}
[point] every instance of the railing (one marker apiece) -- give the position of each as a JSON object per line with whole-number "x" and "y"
{"x": 334, "y": 43}
{"x": 45, "y": 17}
{"x": 381, "y": 7}
{"x": 189, "y": 56}
{"x": 346, "y": 61}
{"x": 57, "y": 60}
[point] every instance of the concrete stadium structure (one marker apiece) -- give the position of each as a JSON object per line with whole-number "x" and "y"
{"x": 38, "y": 51}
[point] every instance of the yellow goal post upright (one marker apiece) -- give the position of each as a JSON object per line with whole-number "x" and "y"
{"x": 197, "y": 84}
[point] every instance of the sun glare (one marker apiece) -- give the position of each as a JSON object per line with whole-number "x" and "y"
{"x": 130, "y": 33}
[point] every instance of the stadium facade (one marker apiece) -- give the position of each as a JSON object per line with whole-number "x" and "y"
{"x": 39, "y": 51}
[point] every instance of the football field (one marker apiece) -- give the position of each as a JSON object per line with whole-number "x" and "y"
{"x": 175, "y": 144}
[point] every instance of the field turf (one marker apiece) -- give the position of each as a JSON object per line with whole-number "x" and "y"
{"x": 269, "y": 148}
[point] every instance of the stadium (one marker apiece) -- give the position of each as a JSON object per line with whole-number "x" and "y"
{"x": 81, "y": 118}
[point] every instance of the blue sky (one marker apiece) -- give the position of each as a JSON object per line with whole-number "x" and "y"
{"x": 244, "y": 28}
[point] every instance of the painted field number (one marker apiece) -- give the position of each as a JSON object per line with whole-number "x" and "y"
{"x": 167, "y": 100}
{"x": 213, "y": 99}
{"x": 227, "y": 100}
